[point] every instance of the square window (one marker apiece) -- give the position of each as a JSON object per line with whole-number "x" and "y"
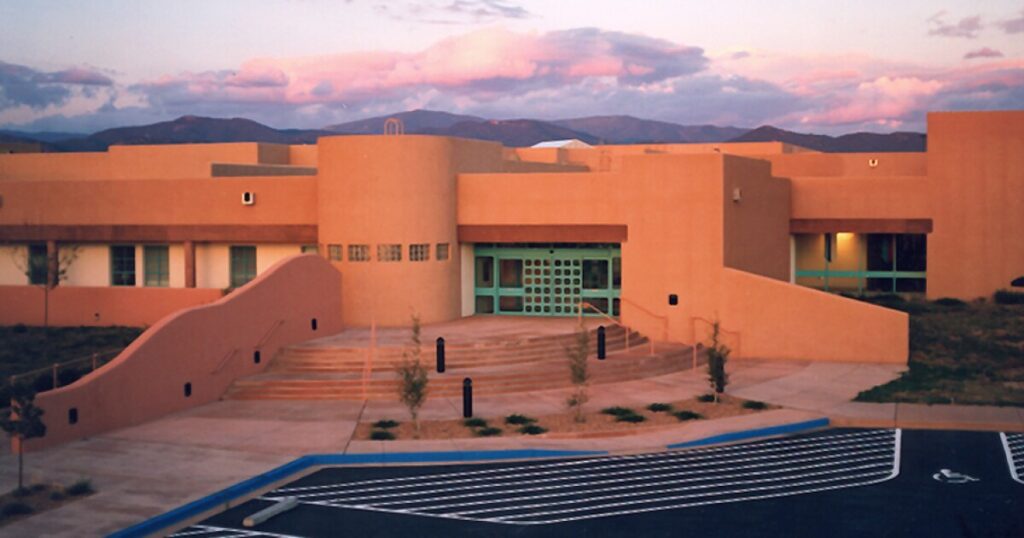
{"x": 37, "y": 269}
{"x": 389, "y": 253}
{"x": 157, "y": 266}
{"x": 442, "y": 252}
{"x": 484, "y": 304}
{"x": 359, "y": 253}
{"x": 122, "y": 265}
{"x": 419, "y": 252}
{"x": 334, "y": 253}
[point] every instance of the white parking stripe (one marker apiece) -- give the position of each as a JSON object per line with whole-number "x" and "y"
{"x": 226, "y": 532}
{"x": 1013, "y": 446}
{"x": 699, "y": 460}
{"x": 514, "y": 468}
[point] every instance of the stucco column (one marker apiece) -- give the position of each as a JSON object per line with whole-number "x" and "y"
{"x": 190, "y": 264}
{"x": 52, "y": 261}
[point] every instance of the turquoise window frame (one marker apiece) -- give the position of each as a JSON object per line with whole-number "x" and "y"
{"x": 861, "y": 275}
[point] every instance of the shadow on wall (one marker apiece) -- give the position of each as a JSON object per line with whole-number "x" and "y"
{"x": 191, "y": 357}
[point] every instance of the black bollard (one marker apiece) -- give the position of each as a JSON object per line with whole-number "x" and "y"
{"x": 467, "y": 397}
{"x": 600, "y": 343}
{"x": 440, "y": 355}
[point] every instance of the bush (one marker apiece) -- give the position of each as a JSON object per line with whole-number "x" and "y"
{"x": 68, "y": 376}
{"x": 753, "y": 404}
{"x": 531, "y": 429}
{"x": 20, "y": 329}
{"x": 1009, "y": 297}
{"x": 950, "y": 302}
{"x": 81, "y": 487}
{"x": 617, "y": 411}
{"x": 15, "y": 508}
{"x": 474, "y": 422}
{"x": 489, "y": 431}
{"x": 687, "y": 415}
{"x": 659, "y": 408}
{"x": 634, "y": 418}
{"x": 382, "y": 435}
{"x": 57, "y": 495}
{"x": 519, "y": 419}
{"x": 385, "y": 424}
{"x": 706, "y": 398}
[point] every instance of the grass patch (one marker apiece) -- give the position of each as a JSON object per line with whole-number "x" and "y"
{"x": 80, "y": 487}
{"x": 754, "y": 404}
{"x": 385, "y": 424}
{"x": 687, "y": 415}
{"x": 660, "y": 408}
{"x": 382, "y": 435}
{"x": 532, "y": 429}
{"x": 474, "y": 422}
{"x": 706, "y": 398}
{"x": 489, "y": 431}
{"x": 960, "y": 353}
{"x": 519, "y": 420}
{"x": 618, "y": 411}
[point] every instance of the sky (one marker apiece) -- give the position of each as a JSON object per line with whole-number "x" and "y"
{"x": 828, "y": 66}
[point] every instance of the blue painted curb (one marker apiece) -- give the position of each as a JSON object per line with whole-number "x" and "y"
{"x": 757, "y": 432}
{"x": 247, "y": 486}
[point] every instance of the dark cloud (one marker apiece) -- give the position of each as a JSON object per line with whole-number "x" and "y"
{"x": 1013, "y": 26}
{"x": 983, "y": 52}
{"x": 968, "y": 27}
{"x": 24, "y": 86}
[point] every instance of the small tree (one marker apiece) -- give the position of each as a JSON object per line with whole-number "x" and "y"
{"x": 412, "y": 376}
{"x": 718, "y": 353}
{"x": 578, "y": 373}
{"x": 31, "y": 267}
{"x": 22, "y": 421}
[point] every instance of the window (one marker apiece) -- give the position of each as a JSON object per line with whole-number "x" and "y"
{"x": 334, "y": 252}
{"x": 359, "y": 253}
{"x": 243, "y": 265}
{"x": 511, "y": 274}
{"x": 122, "y": 265}
{"x": 595, "y": 274}
{"x": 157, "y": 266}
{"x": 442, "y": 252}
{"x": 419, "y": 253}
{"x": 389, "y": 253}
{"x": 311, "y": 249}
{"x": 37, "y": 269}
{"x": 484, "y": 272}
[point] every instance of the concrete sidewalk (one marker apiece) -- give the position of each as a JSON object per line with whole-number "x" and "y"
{"x": 146, "y": 470}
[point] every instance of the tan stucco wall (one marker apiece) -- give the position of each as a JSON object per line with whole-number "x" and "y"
{"x": 756, "y": 228}
{"x": 213, "y": 265}
{"x": 897, "y": 197}
{"x": 12, "y": 261}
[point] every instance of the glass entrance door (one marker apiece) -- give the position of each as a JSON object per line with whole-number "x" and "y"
{"x": 539, "y": 281}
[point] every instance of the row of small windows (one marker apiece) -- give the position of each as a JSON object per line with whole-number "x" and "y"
{"x": 418, "y": 252}
{"x": 156, "y": 265}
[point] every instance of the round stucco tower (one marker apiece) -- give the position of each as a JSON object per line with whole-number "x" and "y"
{"x": 378, "y": 197}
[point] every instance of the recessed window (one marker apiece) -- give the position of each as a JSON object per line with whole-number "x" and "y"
{"x": 442, "y": 252}
{"x": 157, "y": 265}
{"x": 122, "y": 265}
{"x": 419, "y": 252}
{"x": 37, "y": 264}
{"x": 389, "y": 253}
{"x": 334, "y": 252}
{"x": 243, "y": 265}
{"x": 310, "y": 249}
{"x": 359, "y": 253}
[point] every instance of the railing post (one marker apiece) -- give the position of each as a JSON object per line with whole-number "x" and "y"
{"x": 55, "y": 365}
{"x": 467, "y": 398}
{"x": 440, "y": 354}
{"x": 94, "y": 362}
{"x": 601, "y": 351}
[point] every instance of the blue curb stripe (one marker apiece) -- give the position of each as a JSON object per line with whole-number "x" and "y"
{"x": 224, "y": 496}
{"x": 757, "y": 432}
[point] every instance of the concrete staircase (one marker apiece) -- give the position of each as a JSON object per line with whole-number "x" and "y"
{"x": 500, "y": 365}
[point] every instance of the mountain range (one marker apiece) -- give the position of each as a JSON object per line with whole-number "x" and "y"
{"x": 517, "y": 133}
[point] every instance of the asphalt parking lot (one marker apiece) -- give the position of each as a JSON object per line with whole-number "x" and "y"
{"x": 838, "y": 482}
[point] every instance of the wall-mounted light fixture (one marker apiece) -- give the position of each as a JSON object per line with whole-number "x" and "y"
{"x": 737, "y": 194}
{"x": 248, "y": 198}
{"x": 873, "y": 163}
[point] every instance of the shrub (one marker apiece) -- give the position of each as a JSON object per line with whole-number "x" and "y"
{"x": 57, "y": 495}
{"x": 687, "y": 415}
{"x": 15, "y": 508}
{"x": 519, "y": 419}
{"x": 20, "y": 329}
{"x": 532, "y": 429}
{"x": 382, "y": 435}
{"x": 706, "y": 398}
{"x": 950, "y": 302}
{"x": 489, "y": 431}
{"x": 753, "y": 404}
{"x": 81, "y": 487}
{"x": 660, "y": 408}
{"x": 579, "y": 374}
{"x": 634, "y": 418}
{"x": 718, "y": 354}
{"x": 617, "y": 411}
{"x": 1009, "y": 297}
{"x": 474, "y": 422}
{"x": 412, "y": 376}
{"x": 385, "y": 424}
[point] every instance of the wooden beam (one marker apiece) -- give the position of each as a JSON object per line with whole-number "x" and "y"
{"x": 129, "y": 233}
{"x": 887, "y": 226}
{"x": 543, "y": 233}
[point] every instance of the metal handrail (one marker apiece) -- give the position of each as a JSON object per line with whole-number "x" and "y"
{"x": 266, "y": 336}
{"x": 224, "y": 360}
{"x": 55, "y": 367}
{"x": 583, "y": 304}
{"x": 693, "y": 326}
{"x": 368, "y": 364}
{"x": 663, "y": 319}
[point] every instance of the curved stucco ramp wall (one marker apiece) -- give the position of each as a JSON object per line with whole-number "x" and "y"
{"x": 207, "y": 346}
{"x": 778, "y": 320}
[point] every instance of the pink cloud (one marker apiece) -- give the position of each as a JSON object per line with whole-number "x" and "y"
{"x": 983, "y": 52}
{"x": 968, "y": 27}
{"x": 1013, "y": 26}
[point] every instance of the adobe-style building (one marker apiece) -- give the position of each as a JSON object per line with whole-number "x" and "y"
{"x": 663, "y": 236}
